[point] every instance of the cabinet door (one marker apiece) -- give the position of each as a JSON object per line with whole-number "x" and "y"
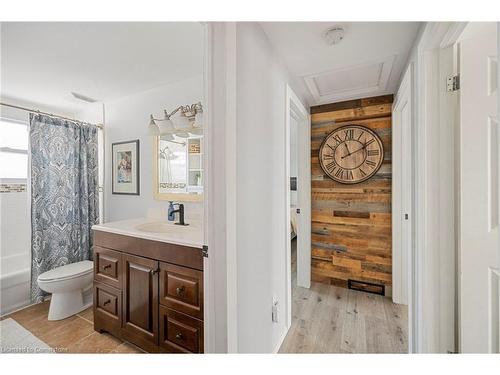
{"x": 181, "y": 289}
{"x": 107, "y": 267}
{"x": 140, "y": 301}
{"x": 107, "y": 309}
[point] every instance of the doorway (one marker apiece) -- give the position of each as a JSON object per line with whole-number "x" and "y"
{"x": 298, "y": 200}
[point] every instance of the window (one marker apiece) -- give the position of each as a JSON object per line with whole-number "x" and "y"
{"x": 13, "y": 149}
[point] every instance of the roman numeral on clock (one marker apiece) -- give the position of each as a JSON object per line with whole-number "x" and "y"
{"x": 338, "y": 139}
{"x": 372, "y": 152}
{"x": 362, "y": 172}
{"x": 339, "y": 173}
{"x": 348, "y": 134}
{"x": 370, "y": 163}
{"x": 331, "y": 166}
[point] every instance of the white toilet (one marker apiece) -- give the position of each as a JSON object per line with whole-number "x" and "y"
{"x": 67, "y": 284}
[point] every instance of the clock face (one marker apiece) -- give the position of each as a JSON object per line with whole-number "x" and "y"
{"x": 351, "y": 154}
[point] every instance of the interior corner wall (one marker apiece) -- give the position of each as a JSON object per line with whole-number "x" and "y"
{"x": 260, "y": 190}
{"x": 126, "y": 119}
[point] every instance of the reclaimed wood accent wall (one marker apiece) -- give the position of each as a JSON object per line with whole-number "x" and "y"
{"x": 351, "y": 224}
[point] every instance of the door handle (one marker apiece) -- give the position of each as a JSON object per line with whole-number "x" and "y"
{"x": 406, "y": 216}
{"x": 297, "y": 210}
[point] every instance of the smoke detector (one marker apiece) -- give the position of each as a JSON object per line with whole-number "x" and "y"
{"x": 334, "y": 35}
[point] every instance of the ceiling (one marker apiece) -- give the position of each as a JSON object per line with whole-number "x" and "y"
{"x": 367, "y": 62}
{"x": 44, "y": 62}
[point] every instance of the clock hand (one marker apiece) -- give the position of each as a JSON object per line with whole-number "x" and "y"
{"x": 349, "y": 154}
{"x": 347, "y": 148}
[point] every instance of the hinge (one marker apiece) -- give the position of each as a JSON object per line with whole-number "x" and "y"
{"x": 204, "y": 251}
{"x": 453, "y": 83}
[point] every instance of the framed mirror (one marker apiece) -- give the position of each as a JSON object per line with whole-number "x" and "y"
{"x": 178, "y": 168}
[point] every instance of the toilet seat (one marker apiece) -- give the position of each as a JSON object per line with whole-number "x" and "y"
{"x": 67, "y": 272}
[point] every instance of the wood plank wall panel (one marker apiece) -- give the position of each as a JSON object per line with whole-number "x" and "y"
{"x": 351, "y": 224}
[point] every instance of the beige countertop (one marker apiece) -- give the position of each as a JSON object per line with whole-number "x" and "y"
{"x": 157, "y": 230}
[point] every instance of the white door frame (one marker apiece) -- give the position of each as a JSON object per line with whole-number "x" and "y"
{"x": 402, "y": 193}
{"x": 294, "y": 108}
{"x": 208, "y": 262}
{"x": 219, "y": 230}
{"x": 432, "y": 246}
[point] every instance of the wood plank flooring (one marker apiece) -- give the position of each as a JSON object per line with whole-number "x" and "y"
{"x": 71, "y": 335}
{"x": 330, "y": 319}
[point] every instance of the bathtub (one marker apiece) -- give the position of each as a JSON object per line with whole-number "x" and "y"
{"x": 15, "y": 280}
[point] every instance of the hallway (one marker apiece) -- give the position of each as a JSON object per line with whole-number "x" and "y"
{"x": 330, "y": 319}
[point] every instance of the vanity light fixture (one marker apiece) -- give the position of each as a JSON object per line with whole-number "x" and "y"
{"x": 188, "y": 121}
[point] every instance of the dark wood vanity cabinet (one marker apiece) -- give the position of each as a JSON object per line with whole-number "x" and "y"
{"x": 155, "y": 299}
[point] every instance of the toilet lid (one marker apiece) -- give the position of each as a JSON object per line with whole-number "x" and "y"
{"x": 68, "y": 271}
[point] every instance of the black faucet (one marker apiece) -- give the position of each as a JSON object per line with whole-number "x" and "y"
{"x": 180, "y": 210}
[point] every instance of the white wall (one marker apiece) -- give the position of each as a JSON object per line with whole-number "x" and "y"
{"x": 127, "y": 119}
{"x": 260, "y": 190}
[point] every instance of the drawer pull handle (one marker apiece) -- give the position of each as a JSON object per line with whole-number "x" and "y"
{"x": 106, "y": 302}
{"x": 179, "y": 290}
{"x": 179, "y": 336}
{"x": 106, "y": 266}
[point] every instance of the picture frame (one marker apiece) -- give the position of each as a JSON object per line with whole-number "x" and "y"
{"x": 125, "y": 168}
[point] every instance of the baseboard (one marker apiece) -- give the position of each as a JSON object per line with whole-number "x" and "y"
{"x": 280, "y": 341}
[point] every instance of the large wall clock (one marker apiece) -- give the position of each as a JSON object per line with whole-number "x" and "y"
{"x": 351, "y": 154}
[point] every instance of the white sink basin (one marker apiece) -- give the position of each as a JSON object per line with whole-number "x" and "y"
{"x": 159, "y": 227}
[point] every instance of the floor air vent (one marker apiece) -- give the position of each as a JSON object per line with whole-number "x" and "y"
{"x": 366, "y": 287}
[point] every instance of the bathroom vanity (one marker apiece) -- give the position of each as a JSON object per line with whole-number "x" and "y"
{"x": 148, "y": 284}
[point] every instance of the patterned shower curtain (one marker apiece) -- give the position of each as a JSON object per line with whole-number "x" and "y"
{"x": 64, "y": 194}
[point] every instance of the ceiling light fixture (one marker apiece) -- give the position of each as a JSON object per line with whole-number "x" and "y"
{"x": 334, "y": 35}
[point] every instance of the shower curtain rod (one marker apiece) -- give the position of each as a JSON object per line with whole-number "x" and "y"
{"x": 100, "y": 126}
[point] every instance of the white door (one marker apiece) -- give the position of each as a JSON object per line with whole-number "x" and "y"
{"x": 479, "y": 190}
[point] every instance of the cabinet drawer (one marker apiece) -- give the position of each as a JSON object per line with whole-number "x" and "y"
{"x": 181, "y": 289}
{"x": 107, "y": 308}
{"x": 107, "y": 267}
{"x": 180, "y": 333}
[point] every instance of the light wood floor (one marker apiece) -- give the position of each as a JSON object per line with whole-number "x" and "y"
{"x": 71, "y": 335}
{"x": 330, "y": 319}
